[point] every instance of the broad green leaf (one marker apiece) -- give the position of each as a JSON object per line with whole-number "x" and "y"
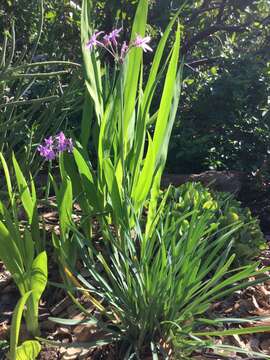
{"x": 29, "y": 249}
{"x": 65, "y": 206}
{"x": 7, "y": 176}
{"x": 25, "y": 194}
{"x": 29, "y": 350}
{"x": 152, "y": 216}
{"x": 38, "y": 281}
{"x": 88, "y": 180}
{"x": 141, "y": 189}
{"x": 9, "y": 252}
{"x": 39, "y": 275}
{"x": 16, "y": 324}
{"x": 173, "y": 111}
{"x": 113, "y": 188}
{"x": 12, "y": 225}
{"x": 87, "y": 119}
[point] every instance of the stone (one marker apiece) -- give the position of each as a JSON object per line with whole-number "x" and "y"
{"x": 229, "y": 181}
{"x": 84, "y": 333}
{"x": 72, "y": 353}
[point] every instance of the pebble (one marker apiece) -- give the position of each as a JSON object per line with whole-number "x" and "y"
{"x": 73, "y": 353}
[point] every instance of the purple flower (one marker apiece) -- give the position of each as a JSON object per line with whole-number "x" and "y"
{"x": 112, "y": 37}
{"x": 93, "y": 41}
{"x": 124, "y": 50}
{"x": 118, "y": 51}
{"x": 106, "y": 40}
{"x": 142, "y": 42}
{"x": 70, "y": 146}
{"x": 55, "y": 145}
{"x": 63, "y": 143}
{"x": 49, "y": 141}
{"x": 46, "y": 152}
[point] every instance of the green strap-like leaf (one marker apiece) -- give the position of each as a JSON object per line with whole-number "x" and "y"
{"x": 91, "y": 65}
{"x": 134, "y": 64}
{"x": 157, "y": 59}
{"x": 167, "y": 97}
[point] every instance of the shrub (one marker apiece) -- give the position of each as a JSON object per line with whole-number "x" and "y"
{"x": 248, "y": 240}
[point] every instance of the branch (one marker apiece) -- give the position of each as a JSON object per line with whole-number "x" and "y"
{"x": 189, "y": 43}
{"x": 221, "y": 11}
{"x": 200, "y": 11}
{"x": 204, "y": 61}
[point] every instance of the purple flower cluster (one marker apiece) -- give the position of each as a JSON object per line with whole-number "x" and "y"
{"x": 110, "y": 42}
{"x": 54, "y": 145}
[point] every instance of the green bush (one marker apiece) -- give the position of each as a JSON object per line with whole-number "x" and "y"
{"x": 248, "y": 240}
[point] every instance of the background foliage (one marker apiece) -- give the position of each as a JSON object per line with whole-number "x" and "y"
{"x": 224, "y": 118}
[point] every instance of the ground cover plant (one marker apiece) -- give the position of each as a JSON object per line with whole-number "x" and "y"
{"x": 151, "y": 264}
{"x": 248, "y": 241}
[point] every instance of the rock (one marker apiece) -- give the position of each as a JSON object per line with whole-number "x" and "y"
{"x": 72, "y": 353}
{"x": 4, "y": 331}
{"x": 63, "y": 334}
{"x": 84, "y": 333}
{"x": 48, "y": 354}
{"x": 5, "y": 280}
{"x": 229, "y": 181}
{"x": 265, "y": 346}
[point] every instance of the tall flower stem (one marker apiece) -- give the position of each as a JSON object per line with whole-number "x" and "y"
{"x": 48, "y": 185}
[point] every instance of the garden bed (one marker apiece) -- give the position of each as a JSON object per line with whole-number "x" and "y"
{"x": 75, "y": 341}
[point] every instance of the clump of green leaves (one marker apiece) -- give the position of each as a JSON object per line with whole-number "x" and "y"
{"x": 248, "y": 240}
{"x": 21, "y": 247}
{"x": 129, "y": 136}
{"x": 155, "y": 287}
